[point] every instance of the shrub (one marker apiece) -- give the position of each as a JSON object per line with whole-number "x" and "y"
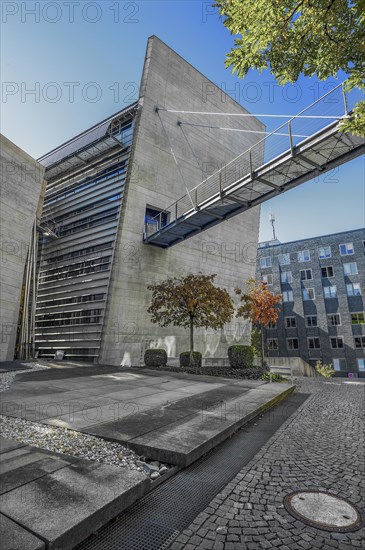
{"x": 155, "y": 358}
{"x": 185, "y": 359}
{"x": 267, "y": 376}
{"x": 325, "y": 370}
{"x": 240, "y": 356}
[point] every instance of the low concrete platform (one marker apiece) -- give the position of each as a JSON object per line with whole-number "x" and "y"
{"x": 54, "y": 501}
{"x": 167, "y": 416}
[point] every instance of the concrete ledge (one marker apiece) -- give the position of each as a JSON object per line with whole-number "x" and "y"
{"x": 184, "y": 443}
{"x": 62, "y": 500}
{"x": 14, "y": 537}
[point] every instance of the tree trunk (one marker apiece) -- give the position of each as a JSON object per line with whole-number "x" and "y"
{"x": 262, "y": 345}
{"x": 191, "y": 341}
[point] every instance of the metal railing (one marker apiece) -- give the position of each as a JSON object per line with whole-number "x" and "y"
{"x": 332, "y": 106}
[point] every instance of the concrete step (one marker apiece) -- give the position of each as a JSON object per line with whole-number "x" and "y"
{"x": 54, "y": 501}
{"x": 182, "y": 432}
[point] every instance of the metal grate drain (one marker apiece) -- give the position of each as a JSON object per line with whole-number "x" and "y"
{"x": 153, "y": 522}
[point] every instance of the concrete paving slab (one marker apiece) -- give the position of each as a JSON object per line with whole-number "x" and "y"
{"x": 96, "y": 415}
{"x": 14, "y": 537}
{"x": 18, "y": 472}
{"x": 168, "y": 410}
{"x": 9, "y": 444}
{"x": 184, "y": 442}
{"x": 65, "y": 507}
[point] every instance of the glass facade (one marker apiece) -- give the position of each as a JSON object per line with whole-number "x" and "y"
{"x": 79, "y": 226}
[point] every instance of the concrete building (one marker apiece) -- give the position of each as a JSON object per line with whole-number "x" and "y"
{"x": 103, "y": 186}
{"x": 322, "y": 283}
{"x": 22, "y": 192}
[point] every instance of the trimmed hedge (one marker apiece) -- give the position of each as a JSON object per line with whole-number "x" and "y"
{"x": 240, "y": 357}
{"x": 155, "y": 358}
{"x": 185, "y": 359}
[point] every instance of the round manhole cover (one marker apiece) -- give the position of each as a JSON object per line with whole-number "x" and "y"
{"x": 323, "y": 510}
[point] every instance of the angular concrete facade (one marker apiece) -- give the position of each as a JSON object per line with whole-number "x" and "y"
{"x": 22, "y": 192}
{"x": 163, "y": 159}
{"x": 169, "y": 82}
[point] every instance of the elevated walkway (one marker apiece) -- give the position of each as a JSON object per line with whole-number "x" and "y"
{"x": 301, "y": 149}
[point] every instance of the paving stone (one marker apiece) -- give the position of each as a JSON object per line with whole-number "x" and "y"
{"x": 317, "y": 447}
{"x": 14, "y": 537}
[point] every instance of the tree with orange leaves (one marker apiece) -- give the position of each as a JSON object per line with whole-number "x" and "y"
{"x": 190, "y": 301}
{"x": 259, "y": 306}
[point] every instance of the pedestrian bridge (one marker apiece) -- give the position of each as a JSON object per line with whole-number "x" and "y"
{"x": 302, "y": 148}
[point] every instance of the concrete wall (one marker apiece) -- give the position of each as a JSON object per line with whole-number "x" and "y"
{"x": 298, "y": 365}
{"x": 22, "y": 189}
{"x": 228, "y": 249}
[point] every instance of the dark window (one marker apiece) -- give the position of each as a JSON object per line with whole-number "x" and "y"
{"x": 306, "y": 274}
{"x": 314, "y": 343}
{"x": 311, "y": 320}
{"x": 327, "y": 272}
{"x": 292, "y": 343}
{"x": 290, "y": 322}
{"x": 337, "y": 342}
{"x": 359, "y": 341}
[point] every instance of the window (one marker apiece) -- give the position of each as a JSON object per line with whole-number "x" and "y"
{"x": 272, "y": 344}
{"x": 290, "y": 322}
{"x": 330, "y": 291}
{"x": 304, "y": 256}
{"x": 306, "y": 274}
{"x": 292, "y": 343}
{"x": 357, "y": 318}
{"x": 314, "y": 343}
{"x": 346, "y": 249}
{"x": 359, "y": 341}
{"x": 339, "y": 364}
{"x": 353, "y": 289}
{"x": 271, "y": 325}
{"x": 327, "y": 272}
{"x": 361, "y": 363}
{"x": 156, "y": 218}
{"x": 350, "y": 269}
{"x": 286, "y": 277}
{"x": 308, "y": 294}
{"x": 267, "y": 279}
{"x": 311, "y": 320}
{"x": 284, "y": 259}
{"x": 288, "y": 296}
{"x": 324, "y": 252}
{"x": 265, "y": 262}
{"x": 334, "y": 320}
{"x": 336, "y": 342}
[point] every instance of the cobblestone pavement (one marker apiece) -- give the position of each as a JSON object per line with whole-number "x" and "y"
{"x": 321, "y": 446}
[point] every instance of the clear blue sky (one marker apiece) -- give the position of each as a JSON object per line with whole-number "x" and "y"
{"x": 83, "y": 60}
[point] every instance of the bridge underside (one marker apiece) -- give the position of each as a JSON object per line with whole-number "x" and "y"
{"x": 323, "y": 151}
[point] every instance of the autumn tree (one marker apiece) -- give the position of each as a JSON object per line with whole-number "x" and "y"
{"x": 190, "y": 301}
{"x": 259, "y": 306}
{"x": 294, "y": 37}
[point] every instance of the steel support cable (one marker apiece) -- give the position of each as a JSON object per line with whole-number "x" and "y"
{"x": 190, "y": 147}
{"x": 239, "y": 130}
{"x": 251, "y": 115}
{"x": 174, "y": 156}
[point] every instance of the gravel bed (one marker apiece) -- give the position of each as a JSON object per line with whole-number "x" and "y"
{"x": 71, "y": 442}
{"x": 68, "y": 442}
{"x": 7, "y": 378}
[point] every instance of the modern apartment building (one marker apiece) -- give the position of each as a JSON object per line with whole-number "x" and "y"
{"x": 104, "y": 185}
{"x": 322, "y": 281}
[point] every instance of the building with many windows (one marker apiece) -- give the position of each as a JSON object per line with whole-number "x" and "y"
{"x": 105, "y": 186}
{"x": 322, "y": 285}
